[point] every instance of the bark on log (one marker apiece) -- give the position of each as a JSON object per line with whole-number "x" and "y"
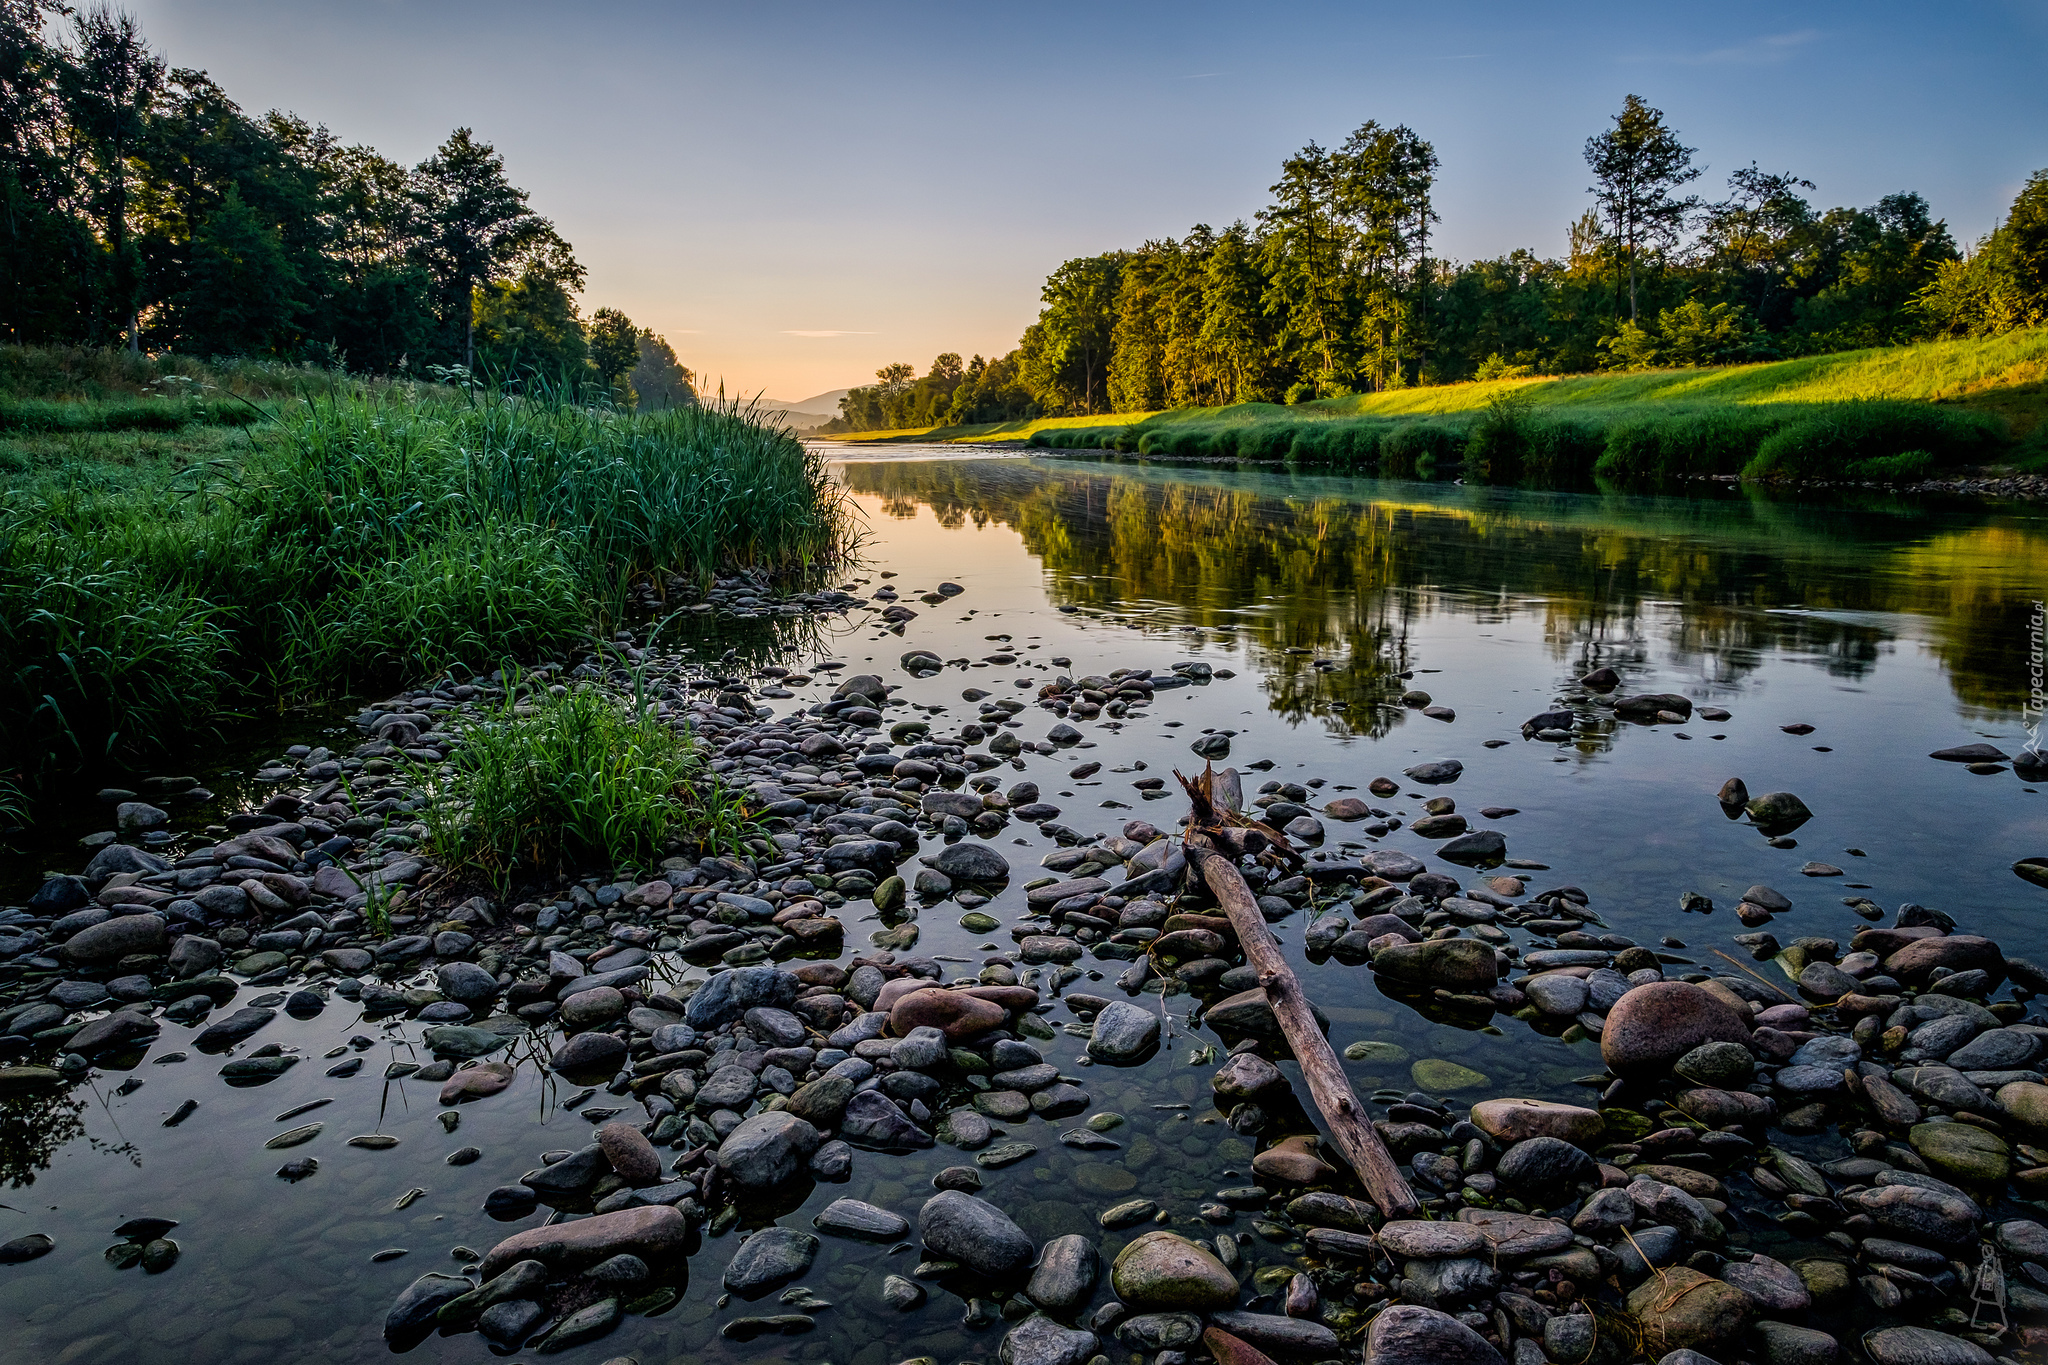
{"x": 1350, "y": 1130}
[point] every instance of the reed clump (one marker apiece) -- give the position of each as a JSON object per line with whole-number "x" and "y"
{"x": 363, "y": 537}
{"x": 546, "y": 782}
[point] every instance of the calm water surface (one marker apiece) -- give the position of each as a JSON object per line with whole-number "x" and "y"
{"x": 1892, "y": 630}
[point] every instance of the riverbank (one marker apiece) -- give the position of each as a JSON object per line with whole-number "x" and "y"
{"x": 345, "y": 541}
{"x": 1894, "y": 415}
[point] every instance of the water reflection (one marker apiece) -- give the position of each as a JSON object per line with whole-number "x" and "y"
{"x": 1305, "y": 568}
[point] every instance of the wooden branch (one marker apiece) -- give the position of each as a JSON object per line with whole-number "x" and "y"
{"x": 1350, "y": 1129}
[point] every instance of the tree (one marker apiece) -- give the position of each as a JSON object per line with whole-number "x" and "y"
{"x": 1636, "y": 165}
{"x": 1068, "y": 358}
{"x": 659, "y": 380}
{"x": 479, "y": 230}
{"x": 1303, "y": 267}
{"x": 1383, "y": 178}
{"x": 614, "y": 349}
{"x": 1755, "y": 235}
{"x": 109, "y": 83}
{"x": 47, "y": 255}
{"x": 242, "y": 292}
{"x": 528, "y": 328}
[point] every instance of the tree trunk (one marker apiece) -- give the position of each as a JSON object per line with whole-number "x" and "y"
{"x": 1351, "y": 1132}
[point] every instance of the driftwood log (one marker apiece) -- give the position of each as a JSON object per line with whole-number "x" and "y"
{"x": 1215, "y": 833}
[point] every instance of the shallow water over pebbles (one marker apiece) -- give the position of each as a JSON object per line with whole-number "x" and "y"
{"x": 1893, "y": 632}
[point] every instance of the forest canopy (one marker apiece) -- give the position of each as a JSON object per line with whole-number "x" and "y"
{"x": 140, "y": 206}
{"x": 1333, "y": 289}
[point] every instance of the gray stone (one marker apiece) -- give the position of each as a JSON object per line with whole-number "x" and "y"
{"x": 1443, "y": 1284}
{"x": 1556, "y": 994}
{"x": 1921, "y": 1346}
{"x": 1125, "y": 1034}
{"x": 1277, "y": 1335}
{"x": 773, "y": 1256}
{"x": 969, "y": 861}
{"x": 466, "y": 982}
{"x": 1038, "y": 1340}
{"x": 420, "y": 1301}
{"x": 874, "y": 1121}
{"x": 728, "y": 995}
{"x": 767, "y": 1149}
{"x": 1409, "y": 1335}
{"x": 1422, "y": 1240}
{"x": 852, "y": 1218}
{"x": 1998, "y": 1049}
{"x": 958, "y": 1227}
{"x": 1547, "y": 1167}
{"x": 1066, "y": 1273}
{"x": 1785, "y": 1344}
{"x": 116, "y": 938}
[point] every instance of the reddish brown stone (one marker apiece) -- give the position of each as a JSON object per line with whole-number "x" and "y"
{"x": 1654, "y": 1025}
{"x": 1228, "y": 1350}
{"x": 956, "y": 1014}
{"x": 475, "y": 1083}
{"x": 652, "y": 1233}
{"x": 1913, "y": 963}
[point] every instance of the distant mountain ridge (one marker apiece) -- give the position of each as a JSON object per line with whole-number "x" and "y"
{"x": 821, "y": 405}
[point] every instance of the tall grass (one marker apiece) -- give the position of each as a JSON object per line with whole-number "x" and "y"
{"x": 537, "y": 786}
{"x": 368, "y": 539}
{"x": 1515, "y": 439}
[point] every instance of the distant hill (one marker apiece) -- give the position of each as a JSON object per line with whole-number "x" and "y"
{"x": 824, "y": 404}
{"x": 804, "y": 415}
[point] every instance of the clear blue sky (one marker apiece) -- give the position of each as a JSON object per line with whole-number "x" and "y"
{"x": 796, "y": 193}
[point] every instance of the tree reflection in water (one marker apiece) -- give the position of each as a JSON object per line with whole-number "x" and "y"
{"x": 1302, "y": 568}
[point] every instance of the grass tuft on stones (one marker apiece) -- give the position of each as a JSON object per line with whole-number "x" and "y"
{"x": 553, "y": 780}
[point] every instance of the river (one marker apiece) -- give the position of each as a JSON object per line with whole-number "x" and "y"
{"x": 1891, "y": 630}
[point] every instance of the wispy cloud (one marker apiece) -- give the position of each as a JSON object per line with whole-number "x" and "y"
{"x": 1768, "y": 50}
{"x": 1461, "y": 56}
{"x": 822, "y": 332}
{"x": 1204, "y": 75}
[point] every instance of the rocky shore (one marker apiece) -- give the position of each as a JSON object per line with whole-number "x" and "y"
{"x": 1839, "y": 1155}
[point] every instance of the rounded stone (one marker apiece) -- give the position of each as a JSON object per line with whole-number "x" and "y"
{"x": 953, "y": 1013}
{"x": 1655, "y": 1024}
{"x": 1513, "y": 1120}
{"x": 1685, "y": 1309}
{"x": 1415, "y": 1239}
{"x": 1922, "y": 1346}
{"x": 1066, "y": 1273}
{"x": 632, "y": 1156}
{"x": 122, "y": 936}
{"x": 956, "y": 1226}
{"x": 1164, "y": 1271}
{"x": 1410, "y": 1335}
{"x": 589, "y": 1053}
{"x": 1724, "y": 1066}
{"x": 1963, "y": 1151}
{"x": 1436, "y": 1074}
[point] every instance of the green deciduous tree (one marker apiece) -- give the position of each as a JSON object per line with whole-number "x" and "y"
{"x": 614, "y": 349}
{"x": 108, "y": 84}
{"x": 478, "y": 231}
{"x": 659, "y": 379}
{"x": 1637, "y": 165}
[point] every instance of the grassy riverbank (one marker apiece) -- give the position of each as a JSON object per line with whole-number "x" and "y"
{"x": 1884, "y": 413}
{"x": 150, "y": 578}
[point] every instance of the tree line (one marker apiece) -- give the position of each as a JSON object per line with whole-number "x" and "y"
{"x": 141, "y": 207}
{"x": 1332, "y": 289}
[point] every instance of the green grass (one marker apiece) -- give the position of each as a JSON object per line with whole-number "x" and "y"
{"x": 1857, "y": 415}
{"x": 541, "y": 784}
{"x": 362, "y": 538}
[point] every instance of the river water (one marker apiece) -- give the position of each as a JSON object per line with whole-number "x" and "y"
{"x": 1892, "y": 630}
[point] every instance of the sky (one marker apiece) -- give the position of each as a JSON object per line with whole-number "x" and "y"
{"x": 796, "y": 194}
